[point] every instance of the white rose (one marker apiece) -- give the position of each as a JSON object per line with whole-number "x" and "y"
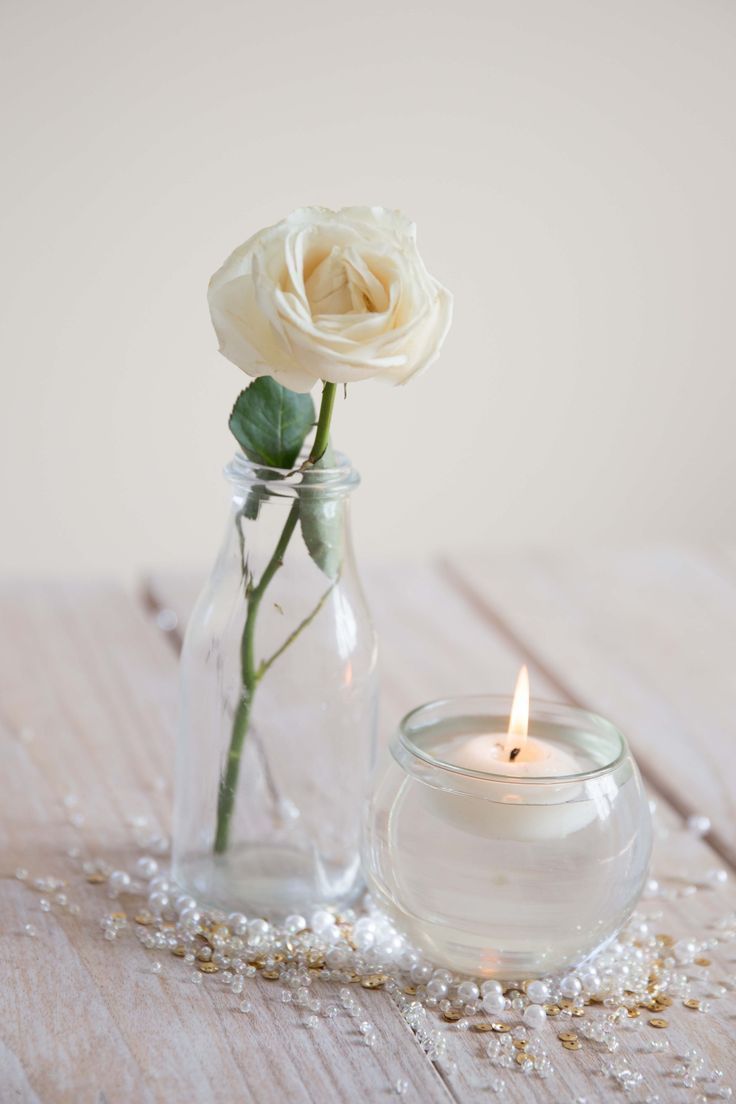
{"x": 330, "y": 295}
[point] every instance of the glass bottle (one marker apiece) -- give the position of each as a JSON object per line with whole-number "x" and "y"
{"x": 278, "y": 701}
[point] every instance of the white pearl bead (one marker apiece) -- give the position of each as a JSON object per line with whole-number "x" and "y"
{"x": 146, "y": 867}
{"x": 537, "y": 992}
{"x": 421, "y": 973}
{"x": 118, "y": 881}
{"x": 684, "y": 951}
{"x": 237, "y": 923}
{"x": 184, "y": 902}
{"x": 437, "y": 988}
{"x": 321, "y": 921}
{"x": 468, "y": 991}
{"x": 494, "y": 1002}
{"x": 570, "y": 986}
{"x": 190, "y": 917}
{"x": 160, "y": 884}
{"x": 158, "y": 902}
{"x": 535, "y": 1016}
{"x": 258, "y": 926}
{"x": 491, "y": 986}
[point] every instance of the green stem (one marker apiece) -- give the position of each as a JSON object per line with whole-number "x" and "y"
{"x": 250, "y": 673}
{"x": 322, "y": 436}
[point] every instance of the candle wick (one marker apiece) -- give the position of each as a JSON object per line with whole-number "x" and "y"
{"x": 513, "y": 753}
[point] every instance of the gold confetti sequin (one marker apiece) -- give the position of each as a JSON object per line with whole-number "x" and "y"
{"x": 522, "y": 1057}
{"x": 521, "y": 1044}
{"x": 702, "y": 961}
{"x": 374, "y": 981}
{"x": 144, "y": 918}
{"x": 692, "y": 1002}
{"x": 208, "y": 967}
{"x": 632, "y": 1013}
{"x": 452, "y": 1015}
{"x": 270, "y": 975}
{"x": 119, "y": 915}
{"x": 577, "y": 1012}
{"x": 567, "y": 1037}
{"x": 496, "y": 1025}
{"x": 665, "y": 939}
{"x": 410, "y": 990}
{"x": 96, "y": 879}
{"x": 572, "y": 1045}
{"x": 482, "y": 1026}
{"x": 656, "y": 1021}
{"x": 180, "y": 952}
{"x": 552, "y": 1010}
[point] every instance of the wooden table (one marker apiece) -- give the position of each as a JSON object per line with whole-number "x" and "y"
{"x": 89, "y": 703}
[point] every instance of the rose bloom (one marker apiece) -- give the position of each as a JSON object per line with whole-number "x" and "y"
{"x": 330, "y": 295}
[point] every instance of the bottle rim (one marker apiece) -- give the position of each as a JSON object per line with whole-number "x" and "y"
{"x": 339, "y": 478}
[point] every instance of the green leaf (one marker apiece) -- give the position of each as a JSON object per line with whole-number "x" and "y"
{"x": 252, "y": 504}
{"x": 270, "y": 423}
{"x": 321, "y": 517}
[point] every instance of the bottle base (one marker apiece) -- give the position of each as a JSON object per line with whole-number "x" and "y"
{"x": 270, "y": 881}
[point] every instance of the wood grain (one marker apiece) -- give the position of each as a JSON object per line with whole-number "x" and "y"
{"x": 436, "y": 641}
{"x": 645, "y": 637}
{"x": 88, "y": 693}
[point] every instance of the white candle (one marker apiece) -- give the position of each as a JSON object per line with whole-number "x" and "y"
{"x": 531, "y": 812}
{"x": 537, "y": 759}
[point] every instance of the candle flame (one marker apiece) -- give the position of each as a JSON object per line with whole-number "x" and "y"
{"x": 519, "y": 721}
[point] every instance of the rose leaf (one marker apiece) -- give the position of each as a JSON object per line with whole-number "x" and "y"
{"x": 321, "y": 517}
{"x": 270, "y": 423}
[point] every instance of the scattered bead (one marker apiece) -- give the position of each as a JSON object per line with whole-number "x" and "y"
{"x": 535, "y": 1016}
{"x": 698, "y": 825}
{"x": 538, "y": 992}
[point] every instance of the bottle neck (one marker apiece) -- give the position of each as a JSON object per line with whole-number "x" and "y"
{"x": 301, "y": 481}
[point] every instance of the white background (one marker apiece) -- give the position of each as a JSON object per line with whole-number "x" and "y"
{"x": 572, "y": 170}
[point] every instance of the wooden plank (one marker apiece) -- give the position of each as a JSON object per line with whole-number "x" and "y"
{"x": 646, "y": 638}
{"x": 433, "y": 644}
{"x": 88, "y": 692}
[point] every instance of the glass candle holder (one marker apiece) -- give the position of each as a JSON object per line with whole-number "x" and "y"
{"x": 499, "y": 876}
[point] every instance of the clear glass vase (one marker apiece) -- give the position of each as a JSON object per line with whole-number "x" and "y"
{"x": 278, "y": 701}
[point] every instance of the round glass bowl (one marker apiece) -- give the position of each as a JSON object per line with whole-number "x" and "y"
{"x": 499, "y": 876}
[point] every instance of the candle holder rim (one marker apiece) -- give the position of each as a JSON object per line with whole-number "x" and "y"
{"x": 416, "y": 751}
